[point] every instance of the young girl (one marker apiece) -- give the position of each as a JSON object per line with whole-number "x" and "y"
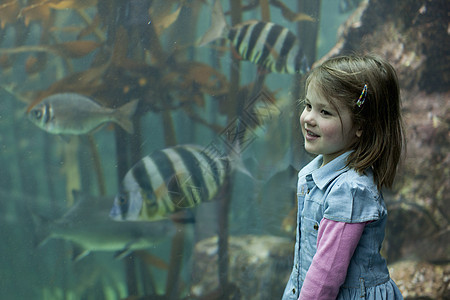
{"x": 352, "y": 122}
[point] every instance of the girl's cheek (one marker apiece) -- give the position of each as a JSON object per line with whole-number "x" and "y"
{"x": 302, "y": 118}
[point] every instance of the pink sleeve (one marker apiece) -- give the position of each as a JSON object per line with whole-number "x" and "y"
{"x": 336, "y": 243}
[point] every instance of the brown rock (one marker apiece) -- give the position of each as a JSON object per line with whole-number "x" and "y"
{"x": 259, "y": 266}
{"x": 421, "y": 280}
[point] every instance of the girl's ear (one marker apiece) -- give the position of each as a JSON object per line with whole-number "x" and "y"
{"x": 359, "y": 132}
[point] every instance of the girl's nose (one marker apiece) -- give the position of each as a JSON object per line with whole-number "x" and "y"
{"x": 307, "y": 117}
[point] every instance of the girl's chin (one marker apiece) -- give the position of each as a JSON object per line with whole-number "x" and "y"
{"x": 310, "y": 148}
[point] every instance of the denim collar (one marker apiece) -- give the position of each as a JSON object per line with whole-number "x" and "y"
{"x": 323, "y": 175}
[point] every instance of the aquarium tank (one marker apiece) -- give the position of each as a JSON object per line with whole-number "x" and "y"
{"x": 149, "y": 149}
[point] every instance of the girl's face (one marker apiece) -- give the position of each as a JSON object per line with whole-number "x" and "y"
{"x": 326, "y": 130}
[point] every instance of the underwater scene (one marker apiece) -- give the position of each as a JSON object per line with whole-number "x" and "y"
{"x": 149, "y": 149}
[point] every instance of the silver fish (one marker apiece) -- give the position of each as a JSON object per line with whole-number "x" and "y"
{"x": 88, "y": 226}
{"x": 168, "y": 181}
{"x": 74, "y": 114}
{"x": 271, "y": 46}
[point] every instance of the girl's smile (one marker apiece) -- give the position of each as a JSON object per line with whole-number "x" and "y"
{"x": 327, "y": 130}
{"x": 310, "y": 136}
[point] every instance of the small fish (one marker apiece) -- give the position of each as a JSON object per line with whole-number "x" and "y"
{"x": 168, "y": 181}
{"x": 71, "y": 113}
{"x": 271, "y": 46}
{"x": 88, "y": 226}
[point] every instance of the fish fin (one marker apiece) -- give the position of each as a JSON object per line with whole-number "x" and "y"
{"x": 80, "y": 205}
{"x": 78, "y": 253}
{"x": 219, "y": 27}
{"x": 124, "y": 251}
{"x": 238, "y": 165}
{"x": 235, "y": 152}
{"x": 97, "y": 129}
{"x": 124, "y": 114}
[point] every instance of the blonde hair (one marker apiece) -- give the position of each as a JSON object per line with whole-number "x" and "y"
{"x": 341, "y": 80}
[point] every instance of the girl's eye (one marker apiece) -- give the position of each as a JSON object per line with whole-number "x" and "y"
{"x": 308, "y": 106}
{"x": 325, "y": 113}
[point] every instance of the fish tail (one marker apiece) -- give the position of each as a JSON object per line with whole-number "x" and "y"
{"x": 123, "y": 115}
{"x": 232, "y": 154}
{"x": 236, "y": 162}
{"x": 219, "y": 27}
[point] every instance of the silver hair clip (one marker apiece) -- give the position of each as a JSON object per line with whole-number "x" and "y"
{"x": 362, "y": 97}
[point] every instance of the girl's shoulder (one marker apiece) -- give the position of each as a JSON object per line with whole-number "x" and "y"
{"x": 353, "y": 197}
{"x": 353, "y": 180}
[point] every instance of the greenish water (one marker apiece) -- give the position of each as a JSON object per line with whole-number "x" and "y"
{"x": 116, "y": 52}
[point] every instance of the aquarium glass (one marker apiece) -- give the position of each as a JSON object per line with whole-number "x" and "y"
{"x": 149, "y": 149}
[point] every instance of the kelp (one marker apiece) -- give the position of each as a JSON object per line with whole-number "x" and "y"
{"x": 71, "y": 49}
{"x": 9, "y": 12}
{"x": 116, "y": 52}
{"x": 290, "y": 15}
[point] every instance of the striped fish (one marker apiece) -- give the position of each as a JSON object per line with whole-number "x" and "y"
{"x": 167, "y": 181}
{"x": 271, "y": 46}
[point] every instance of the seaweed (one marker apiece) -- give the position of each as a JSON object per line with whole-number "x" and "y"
{"x": 115, "y": 52}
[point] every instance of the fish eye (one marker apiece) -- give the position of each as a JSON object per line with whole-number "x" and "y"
{"x": 122, "y": 200}
{"x": 37, "y": 113}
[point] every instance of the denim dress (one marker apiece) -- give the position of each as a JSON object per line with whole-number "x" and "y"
{"x": 341, "y": 194}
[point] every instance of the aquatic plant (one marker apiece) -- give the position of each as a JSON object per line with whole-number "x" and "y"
{"x": 115, "y": 52}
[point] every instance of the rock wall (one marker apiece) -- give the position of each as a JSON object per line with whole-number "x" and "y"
{"x": 413, "y": 35}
